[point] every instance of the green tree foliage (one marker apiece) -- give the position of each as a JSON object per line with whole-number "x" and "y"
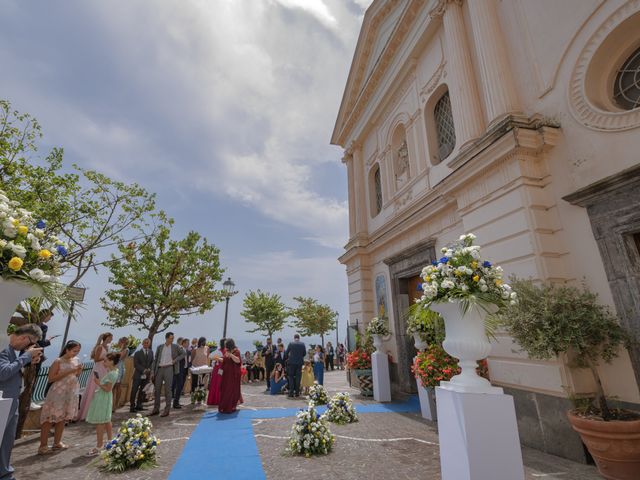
{"x": 161, "y": 281}
{"x": 266, "y": 311}
{"x": 313, "y": 318}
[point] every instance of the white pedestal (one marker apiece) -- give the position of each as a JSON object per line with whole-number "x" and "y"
{"x": 381, "y": 382}
{"x": 427, "y": 403}
{"x": 5, "y": 409}
{"x": 478, "y": 436}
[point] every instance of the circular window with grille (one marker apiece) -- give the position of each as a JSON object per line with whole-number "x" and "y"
{"x": 626, "y": 89}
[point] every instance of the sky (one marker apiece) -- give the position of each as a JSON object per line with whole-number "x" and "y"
{"x": 223, "y": 108}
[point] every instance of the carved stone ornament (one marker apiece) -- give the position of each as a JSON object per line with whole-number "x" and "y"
{"x": 440, "y": 7}
{"x": 402, "y": 163}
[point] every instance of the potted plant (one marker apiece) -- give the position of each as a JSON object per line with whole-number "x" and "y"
{"x": 426, "y": 326}
{"x": 466, "y": 291}
{"x": 132, "y": 344}
{"x": 212, "y": 345}
{"x": 378, "y": 328}
{"x": 430, "y": 368}
{"x": 550, "y": 320}
{"x": 359, "y": 362}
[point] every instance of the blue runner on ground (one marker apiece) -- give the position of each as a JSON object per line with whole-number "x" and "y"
{"x": 224, "y": 446}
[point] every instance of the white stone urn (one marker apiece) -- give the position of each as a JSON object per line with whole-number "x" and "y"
{"x": 377, "y": 342}
{"x": 420, "y": 343}
{"x": 466, "y": 340}
{"x": 12, "y": 292}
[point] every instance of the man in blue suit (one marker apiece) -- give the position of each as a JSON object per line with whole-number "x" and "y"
{"x": 24, "y": 339}
{"x": 296, "y": 351}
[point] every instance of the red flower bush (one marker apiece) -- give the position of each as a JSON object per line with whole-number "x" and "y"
{"x": 359, "y": 359}
{"x": 434, "y": 365}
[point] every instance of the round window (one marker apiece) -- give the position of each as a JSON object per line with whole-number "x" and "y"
{"x": 626, "y": 89}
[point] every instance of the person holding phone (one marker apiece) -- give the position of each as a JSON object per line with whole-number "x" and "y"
{"x": 100, "y": 410}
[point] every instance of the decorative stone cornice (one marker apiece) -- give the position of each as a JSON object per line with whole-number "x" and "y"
{"x": 594, "y": 193}
{"x": 433, "y": 82}
{"x": 410, "y": 252}
{"x": 437, "y": 11}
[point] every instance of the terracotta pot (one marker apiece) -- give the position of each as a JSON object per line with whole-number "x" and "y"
{"x": 614, "y": 445}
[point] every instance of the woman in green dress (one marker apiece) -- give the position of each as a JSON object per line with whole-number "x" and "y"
{"x": 99, "y": 413}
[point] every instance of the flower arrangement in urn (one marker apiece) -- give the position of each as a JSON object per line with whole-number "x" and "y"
{"x": 462, "y": 275}
{"x": 359, "y": 359}
{"x": 198, "y": 395}
{"x": 212, "y": 345}
{"x": 310, "y": 435}
{"x": 341, "y": 410}
{"x": 132, "y": 344}
{"x": 378, "y": 326}
{"x": 434, "y": 365}
{"x": 317, "y": 395}
{"x": 133, "y": 447}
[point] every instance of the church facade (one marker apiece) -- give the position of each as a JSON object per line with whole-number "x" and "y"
{"x": 515, "y": 120}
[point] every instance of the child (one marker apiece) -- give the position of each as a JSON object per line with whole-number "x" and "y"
{"x": 61, "y": 404}
{"x": 100, "y": 409}
{"x": 307, "y": 377}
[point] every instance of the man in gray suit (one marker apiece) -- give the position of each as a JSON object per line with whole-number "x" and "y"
{"x": 166, "y": 364}
{"x": 11, "y": 363}
{"x": 295, "y": 354}
{"x": 142, "y": 363}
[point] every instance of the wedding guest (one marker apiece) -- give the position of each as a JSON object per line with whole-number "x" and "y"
{"x": 258, "y": 366}
{"x": 122, "y": 349}
{"x": 23, "y": 339}
{"x": 199, "y": 358}
{"x": 44, "y": 316}
{"x": 213, "y": 398}
{"x": 318, "y": 365}
{"x": 61, "y": 404}
{"x": 328, "y": 361}
{"x": 182, "y": 373}
{"x": 269, "y": 354}
{"x": 278, "y": 380}
{"x": 248, "y": 365}
{"x": 166, "y": 363}
{"x": 100, "y": 410}
{"x": 98, "y": 355}
{"x": 142, "y": 363}
{"x": 230, "y": 394}
{"x": 295, "y": 354}
{"x": 340, "y": 353}
{"x": 280, "y": 355}
{"x": 307, "y": 377}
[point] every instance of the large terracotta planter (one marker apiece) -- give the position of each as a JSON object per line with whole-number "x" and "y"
{"x": 12, "y": 292}
{"x": 466, "y": 340}
{"x": 614, "y": 445}
{"x": 365, "y": 381}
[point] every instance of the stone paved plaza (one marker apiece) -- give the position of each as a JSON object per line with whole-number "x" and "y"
{"x": 380, "y": 446}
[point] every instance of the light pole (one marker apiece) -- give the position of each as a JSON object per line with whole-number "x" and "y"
{"x": 228, "y": 286}
{"x": 337, "y": 329}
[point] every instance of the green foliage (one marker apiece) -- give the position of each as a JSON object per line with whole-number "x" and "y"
{"x": 162, "y": 280}
{"x": 266, "y": 311}
{"x": 313, "y": 318}
{"x": 426, "y": 323}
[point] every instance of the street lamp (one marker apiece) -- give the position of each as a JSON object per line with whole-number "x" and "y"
{"x": 228, "y": 286}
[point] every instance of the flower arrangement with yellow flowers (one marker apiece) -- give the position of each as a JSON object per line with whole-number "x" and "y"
{"x": 317, "y": 395}
{"x": 133, "y": 447}
{"x": 310, "y": 435}
{"x": 461, "y": 274}
{"x": 27, "y": 251}
{"x": 340, "y": 409}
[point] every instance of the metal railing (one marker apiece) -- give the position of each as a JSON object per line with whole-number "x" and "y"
{"x": 40, "y": 386}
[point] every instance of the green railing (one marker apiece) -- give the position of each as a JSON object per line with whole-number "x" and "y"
{"x": 41, "y": 381}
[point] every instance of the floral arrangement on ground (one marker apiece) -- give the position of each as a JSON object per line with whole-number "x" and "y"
{"x": 317, "y": 395}
{"x": 133, "y": 447}
{"x": 378, "y": 326}
{"x": 198, "y": 395}
{"x": 341, "y": 410}
{"x": 461, "y": 274}
{"x": 310, "y": 435}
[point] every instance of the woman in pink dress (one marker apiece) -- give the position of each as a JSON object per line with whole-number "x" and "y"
{"x": 230, "y": 386}
{"x": 98, "y": 354}
{"x": 214, "y": 386}
{"x": 61, "y": 404}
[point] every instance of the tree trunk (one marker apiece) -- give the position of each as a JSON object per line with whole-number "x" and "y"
{"x": 601, "y": 400}
{"x": 29, "y": 379}
{"x": 322, "y": 339}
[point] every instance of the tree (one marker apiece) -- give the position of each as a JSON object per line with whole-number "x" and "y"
{"x": 313, "y": 318}
{"x": 266, "y": 311}
{"x": 161, "y": 281}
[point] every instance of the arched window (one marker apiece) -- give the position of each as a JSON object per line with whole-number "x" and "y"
{"x": 375, "y": 191}
{"x": 626, "y": 89}
{"x": 445, "y": 131}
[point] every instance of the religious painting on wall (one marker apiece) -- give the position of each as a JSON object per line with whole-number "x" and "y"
{"x": 381, "y": 296}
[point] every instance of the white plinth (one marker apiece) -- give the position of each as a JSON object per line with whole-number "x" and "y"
{"x": 381, "y": 383}
{"x": 427, "y": 405}
{"x": 5, "y": 409}
{"x": 478, "y": 436}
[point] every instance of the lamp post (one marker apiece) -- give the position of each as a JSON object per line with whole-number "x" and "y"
{"x": 228, "y": 286}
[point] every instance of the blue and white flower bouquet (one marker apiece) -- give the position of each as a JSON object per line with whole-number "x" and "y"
{"x": 317, "y": 395}
{"x": 341, "y": 410}
{"x": 310, "y": 435}
{"x": 134, "y": 446}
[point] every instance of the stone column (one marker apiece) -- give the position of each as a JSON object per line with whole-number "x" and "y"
{"x": 498, "y": 89}
{"x": 360, "y": 186}
{"x": 348, "y": 160}
{"x": 463, "y": 91}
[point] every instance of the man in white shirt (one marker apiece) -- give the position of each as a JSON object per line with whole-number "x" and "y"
{"x": 166, "y": 364}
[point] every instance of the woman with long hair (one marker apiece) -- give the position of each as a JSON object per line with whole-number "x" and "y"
{"x": 100, "y": 410}
{"x": 122, "y": 349}
{"x": 230, "y": 394}
{"x": 278, "y": 379}
{"x": 61, "y": 404}
{"x": 98, "y": 355}
{"x": 318, "y": 364}
{"x": 199, "y": 358}
{"x": 216, "y": 375}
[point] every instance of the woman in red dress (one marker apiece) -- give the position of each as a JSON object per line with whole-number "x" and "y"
{"x": 214, "y": 386}
{"x": 230, "y": 385}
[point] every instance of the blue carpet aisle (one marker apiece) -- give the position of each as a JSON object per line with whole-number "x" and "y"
{"x": 224, "y": 445}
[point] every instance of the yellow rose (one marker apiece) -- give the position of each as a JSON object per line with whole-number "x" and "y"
{"x": 427, "y": 278}
{"x": 474, "y": 264}
{"x": 15, "y": 264}
{"x": 16, "y": 222}
{"x": 498, "y": 282}
{"x": 44, "y": 253}
{"x": 22, "y": 229}
{"x": 476, "y": 278}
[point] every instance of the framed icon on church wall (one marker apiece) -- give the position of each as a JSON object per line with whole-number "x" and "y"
{"x": 381, "y": 297}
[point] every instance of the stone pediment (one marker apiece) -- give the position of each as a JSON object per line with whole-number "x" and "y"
{"x": 385, "y": 25}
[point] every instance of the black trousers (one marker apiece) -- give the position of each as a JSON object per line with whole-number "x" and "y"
{"x": 294, "y": 374}
{"x": 178, "y": 385}
{"x": 137, "y": 396}
{"x": 269, "y": 368}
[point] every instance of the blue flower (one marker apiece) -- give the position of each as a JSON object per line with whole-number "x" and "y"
{"x": 108, "y": 446}
{"x": 486, "y": 264}
{"x": 419, "y": 288}
{"x": 41, "y": 225}
{"x": 444, "y": 259}
{"x": 434, "y": 263}
{"x": 62, "y": 251}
